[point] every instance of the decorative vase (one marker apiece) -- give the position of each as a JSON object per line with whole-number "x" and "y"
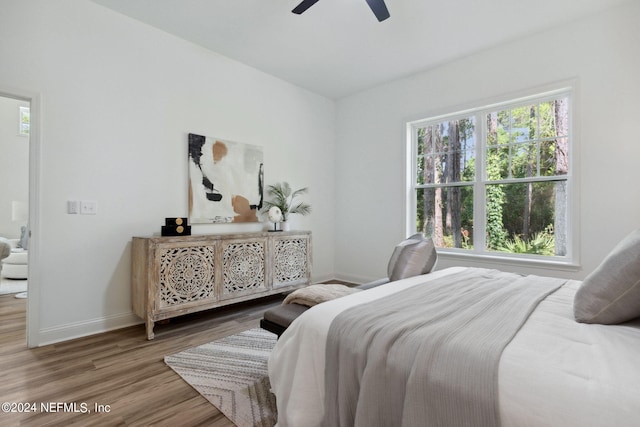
{"x": 285, "y": 226}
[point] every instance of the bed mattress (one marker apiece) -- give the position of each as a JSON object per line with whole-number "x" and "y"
{"x": 555, "y": 372}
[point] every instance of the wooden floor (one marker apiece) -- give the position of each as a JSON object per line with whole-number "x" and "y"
{"x": 119, "y": 370}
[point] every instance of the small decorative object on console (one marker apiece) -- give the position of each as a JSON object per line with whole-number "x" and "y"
{"x": 176, "y": 227}
{"x": 275, "y": 216}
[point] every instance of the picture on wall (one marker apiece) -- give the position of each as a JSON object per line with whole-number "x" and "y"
{"x": 226, "y": 181}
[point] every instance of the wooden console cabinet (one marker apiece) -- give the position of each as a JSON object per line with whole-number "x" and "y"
{"x": 172, "y": 276}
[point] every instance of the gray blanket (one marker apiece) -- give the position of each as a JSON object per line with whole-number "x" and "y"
{"x": 428, "y": 355}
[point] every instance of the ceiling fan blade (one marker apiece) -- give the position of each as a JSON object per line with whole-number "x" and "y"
{"x": 304, "y": 5}
{"x": 379, "y": 9}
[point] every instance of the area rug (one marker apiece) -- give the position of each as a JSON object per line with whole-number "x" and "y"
{"x": 231, "y": 373}
{"x": 11, "y": 286}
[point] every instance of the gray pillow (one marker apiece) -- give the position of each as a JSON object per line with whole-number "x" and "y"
{"x": 611, "y": 294}
{"x": 412, "y": 257}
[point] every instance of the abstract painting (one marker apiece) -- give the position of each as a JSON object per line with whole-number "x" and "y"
{"x": 226, "y": 180}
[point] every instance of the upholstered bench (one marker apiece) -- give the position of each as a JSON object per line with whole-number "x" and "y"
{"x": 411, "y": 257}
{"x": 278, "y": 319}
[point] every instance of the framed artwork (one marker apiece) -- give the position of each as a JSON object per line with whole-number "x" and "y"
{"x": 226, "y": 180}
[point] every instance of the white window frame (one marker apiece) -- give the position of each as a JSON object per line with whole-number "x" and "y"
{"x": 570, "y": 259}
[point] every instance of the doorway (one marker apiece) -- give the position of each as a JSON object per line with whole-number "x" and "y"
{"x": 19, "y": 195}
{"x": 14, "y": 195}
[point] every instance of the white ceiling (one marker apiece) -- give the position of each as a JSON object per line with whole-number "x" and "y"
{"x": 337, "y": 47}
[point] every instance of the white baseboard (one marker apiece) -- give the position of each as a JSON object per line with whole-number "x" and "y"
{"x": 71, "y": 331}
{"x": 359, "y": 280}
{"x": 323, "y": 278}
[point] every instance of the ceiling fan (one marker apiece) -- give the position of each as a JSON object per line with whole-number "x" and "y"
{"x": 377, "y": 6}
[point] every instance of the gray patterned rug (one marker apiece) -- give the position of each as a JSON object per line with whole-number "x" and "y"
{"x": 231, "y": 373}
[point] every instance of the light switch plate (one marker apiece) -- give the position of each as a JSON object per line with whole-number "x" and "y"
{"x": 88, "y": 207}
{"x": 73, "y": 207}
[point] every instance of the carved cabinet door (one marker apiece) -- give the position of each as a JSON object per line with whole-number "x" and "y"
{"x": 186, "y": 274}
{"x": 291, "y": 260}
{"x": 243, "y": 265}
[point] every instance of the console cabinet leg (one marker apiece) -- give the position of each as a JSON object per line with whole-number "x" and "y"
{"x": 149, "y": 326}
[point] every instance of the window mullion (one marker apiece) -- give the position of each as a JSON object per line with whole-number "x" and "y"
{"x": 411, "y": 179}
{"x": 479, "y": 192}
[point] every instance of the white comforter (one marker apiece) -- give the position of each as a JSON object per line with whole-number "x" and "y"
{"x": 555, "y": 372}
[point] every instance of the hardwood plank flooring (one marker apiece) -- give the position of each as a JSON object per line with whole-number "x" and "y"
{"x": 121, "y": 369}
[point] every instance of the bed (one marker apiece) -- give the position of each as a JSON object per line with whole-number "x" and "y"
{"x": 552, "y": 370}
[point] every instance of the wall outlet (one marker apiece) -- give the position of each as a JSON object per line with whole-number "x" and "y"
{"x": 73, "y": 207}
{"x": 88, "y": 207}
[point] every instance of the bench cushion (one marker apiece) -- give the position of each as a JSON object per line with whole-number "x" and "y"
{"x": 284, "y": 314}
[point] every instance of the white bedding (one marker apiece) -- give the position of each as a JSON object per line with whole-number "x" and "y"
{"x": 555, "y": 372}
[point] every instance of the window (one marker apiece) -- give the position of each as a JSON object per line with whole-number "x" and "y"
{"x": 495, "y": 180}
{"x": 24, "y": 121}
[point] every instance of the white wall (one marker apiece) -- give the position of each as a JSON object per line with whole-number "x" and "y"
{"x": 600, "y": 53}
{"x": 14, "y": 166}
{"x": 118, "y": 99}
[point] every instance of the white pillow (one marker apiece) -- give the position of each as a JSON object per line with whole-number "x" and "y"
{"x": 611, "y": 294}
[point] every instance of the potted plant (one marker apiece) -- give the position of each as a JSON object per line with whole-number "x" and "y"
{"x": 283, "y": 199}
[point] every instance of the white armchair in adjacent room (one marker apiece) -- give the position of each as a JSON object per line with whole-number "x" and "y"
{"x": 5, "y": 250}
{"x": 15, "y": 264}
